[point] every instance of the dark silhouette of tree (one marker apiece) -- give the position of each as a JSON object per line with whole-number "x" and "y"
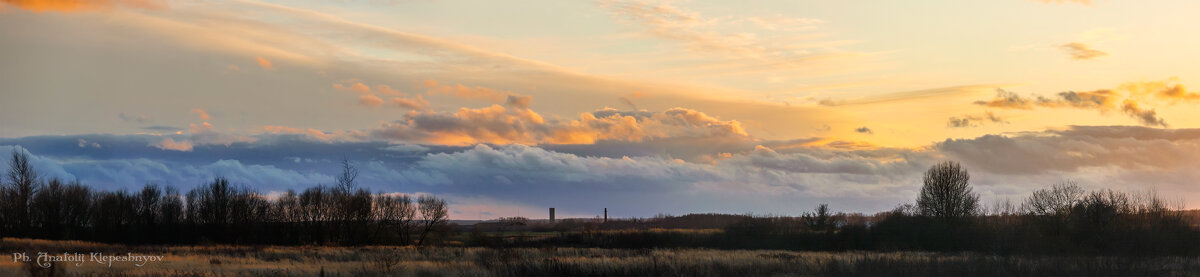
{"x": 22, "y": 181}
{"x": 149, "y": 204}
{"x": 433, "y": 215}
{"x": 171, "y": 215}
{"x": 47, "y": 209}
{"x": 1055, "y": 200}
{"x": 820, "y": 219}
{"x": 76, "y": 203}
{"x": 395, "y": 211}
{"x": 947, "y": 193}
{"x": 348, "y": 179}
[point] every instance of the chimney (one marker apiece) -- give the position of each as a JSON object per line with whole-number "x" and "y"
{"x": 605, "y": 214}
{"x": 551, "y": 215}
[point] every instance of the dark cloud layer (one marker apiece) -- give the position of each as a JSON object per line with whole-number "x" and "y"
{"x": 644, "y": 177}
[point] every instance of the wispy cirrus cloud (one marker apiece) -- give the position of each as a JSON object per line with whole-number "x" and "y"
{"x": 973, "y": 120}
{"x": 762, "y": 49}
{"x": 1080, "y": 51}
{"x": 1131, "y": 98}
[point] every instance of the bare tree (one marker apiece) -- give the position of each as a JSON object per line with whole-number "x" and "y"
{"x": 346, "y": 181}
{"x": 433, "y": 215}
{"x": 47, "y": 209}
{"x": 947, "y": 193}
{"x": 23, "y": 181}
{"x": 1056, "y": 200}
{"x": 395, "y": 210}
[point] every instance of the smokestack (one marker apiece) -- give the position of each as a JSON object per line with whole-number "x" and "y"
{"x": 551, "y": 215}
{"x": 605, "y": 214}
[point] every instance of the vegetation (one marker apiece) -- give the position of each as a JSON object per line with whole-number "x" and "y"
{"x": 217, "y": 212}
{"x": 226, "y": 260}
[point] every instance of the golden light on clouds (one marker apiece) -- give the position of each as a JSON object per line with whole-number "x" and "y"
{"x": 81, "y": 5}
{"x": 264, "y": 63}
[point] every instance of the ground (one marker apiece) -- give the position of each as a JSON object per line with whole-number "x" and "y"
{"x": 224, "y": 260}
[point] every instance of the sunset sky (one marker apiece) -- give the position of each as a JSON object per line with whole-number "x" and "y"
{"x": 641, "y": 107}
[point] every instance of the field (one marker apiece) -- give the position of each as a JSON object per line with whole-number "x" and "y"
{"x": 473, "y": 261}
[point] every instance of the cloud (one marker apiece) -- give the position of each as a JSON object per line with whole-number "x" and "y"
{"x": 352, "y": 86}
{"x": 386, "y": 90}
{"x": 628, "y": 100}
{"x": 1129, "y": 98}
{"x": 417, "y": 103}
{"x": 1146, "y": 117}
{"x": 370, "y": 100}
{"x": 205, "y": 134}
{"x": 314, "y": 134}
{"x": 202, "y": 113}
{"x": 520, "y": 102}
{"x": 864, "y": 130}
{"x": 83, "y": 143}
{"x": 1079, "y": 147}
{"x": 45, "y": 167}
{"x": 1007, "y": 99}
{"x": 171, "y": 144}
{"x": 1170, "y": 90}
{"x": 916, "y": 95}
{"x": 162, "y": 128}
{"x": 264, "y": 63}
{"x": 757, "y": 181}
{"x": 138, "y": 118}
{"x": 761, "y": 47}
{"x": 82, "y": 5}
{"x": 500, "y": 125}
{"x": 1080, "y": 51}
{"x": 763, "y": 178}
{"x": 465, "y": 92}
{"x": 966, "y": 121}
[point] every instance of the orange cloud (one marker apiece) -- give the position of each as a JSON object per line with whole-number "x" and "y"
{"x": 465, "y": 92}
{"x": 1146, "y": 117}
{"x": 202, "y": 113}
{"x": 385, "y": 89}
{"x": 1168, "y": 89}
{"x": 418, "y": 103}
{"x": 1103, "y": 100}
{"x": 352, "y": 87}
{"x": 81, "y": 5}
{"x": 171, "y": 144}
{"x": 500, "y": 125}
{"x": 1007, "y": 99}
{"x": 264, "y": 63}
{"x": 314, "y": 133}
{"x": 370, "y": 100}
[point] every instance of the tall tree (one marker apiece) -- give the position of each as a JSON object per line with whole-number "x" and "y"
{"x": 23, "y": 181}
{"x": 947, "y": 193}
{"x": 433, "y": 215}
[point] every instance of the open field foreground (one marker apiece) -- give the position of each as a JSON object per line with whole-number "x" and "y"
{"x": 474, "y": 261}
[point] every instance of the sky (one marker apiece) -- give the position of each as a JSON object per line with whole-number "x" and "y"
{"x": 506, "y": 108}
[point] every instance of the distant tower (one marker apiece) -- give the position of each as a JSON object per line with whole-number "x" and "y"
{"x": 551, "y": 215}
{"x": 605, "y": 214}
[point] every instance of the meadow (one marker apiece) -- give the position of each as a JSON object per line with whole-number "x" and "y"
{"x": 230, "y": 260}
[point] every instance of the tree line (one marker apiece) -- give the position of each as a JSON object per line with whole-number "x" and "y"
{"x": 1063, "y": 219}
{"x": 216, "y": 212}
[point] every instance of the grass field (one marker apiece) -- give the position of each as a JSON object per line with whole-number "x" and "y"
{"x": 467, "y": 261}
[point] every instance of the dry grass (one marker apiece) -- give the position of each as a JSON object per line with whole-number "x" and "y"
{"x": 460, "y": 261}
